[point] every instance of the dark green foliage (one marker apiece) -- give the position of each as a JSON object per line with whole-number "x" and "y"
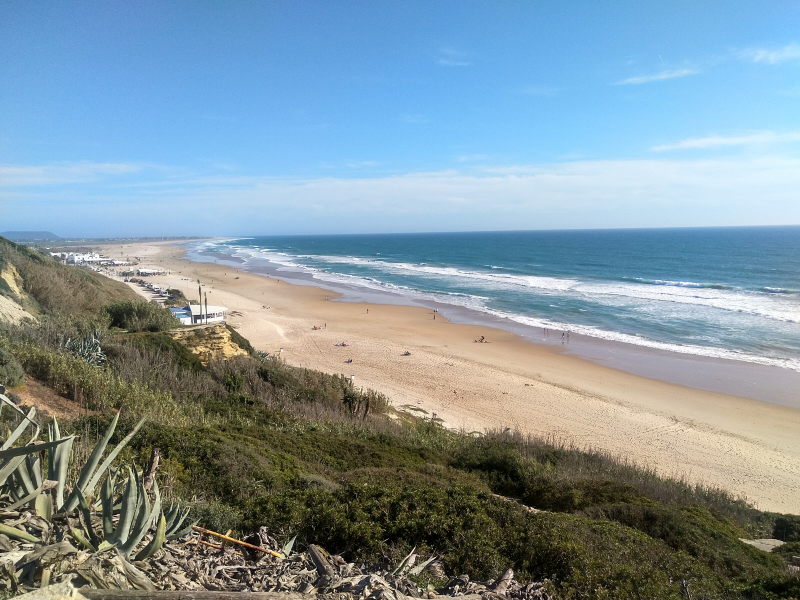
{"x": 137, "y": 315}
{"x": 241, "y": 341}
{"x": 175, "y": 297}
{"x": 787, "y": 528}
{"x": 694, "y": 530}
{"x": 11, "y": 371}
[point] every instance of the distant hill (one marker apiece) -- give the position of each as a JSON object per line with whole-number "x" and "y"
{"x": 30, "y": 236}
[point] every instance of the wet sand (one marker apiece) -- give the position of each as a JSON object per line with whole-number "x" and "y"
{"x": 749, "y": 447}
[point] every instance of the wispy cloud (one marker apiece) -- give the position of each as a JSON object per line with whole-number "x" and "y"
{"x": 609, "y": 193}
{"x": 719, "y": 141}
{"x": 660, "y": 76}
{"x": 450, "y": 57}
{"x": 63, "y": 173}
{"x": 540, "y": 90}
{"x": 469, "y": 158}
{"x": 771, "y": 56}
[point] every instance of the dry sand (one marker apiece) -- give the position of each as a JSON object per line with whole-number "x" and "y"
{"x": 748, "y": 447}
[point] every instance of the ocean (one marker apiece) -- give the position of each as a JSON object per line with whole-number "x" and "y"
{"x": 730, "y": 293}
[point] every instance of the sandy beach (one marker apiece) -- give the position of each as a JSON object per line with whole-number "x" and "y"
{"x": 748, "y": 447}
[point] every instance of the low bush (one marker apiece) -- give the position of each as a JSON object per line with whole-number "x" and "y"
{"x": 11, "y": 371}
{"x": 135, "y": 315}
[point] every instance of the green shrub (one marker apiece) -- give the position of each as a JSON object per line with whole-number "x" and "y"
{"x": 787, "y": 528}
{"x": 11, "y": 372}
{"x": 164, "y": 347}
{"x": 241, "y": 341}
{"x": 135, "y": 315}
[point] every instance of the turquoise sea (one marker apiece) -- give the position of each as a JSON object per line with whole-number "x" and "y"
{"x": 729, "y": 292}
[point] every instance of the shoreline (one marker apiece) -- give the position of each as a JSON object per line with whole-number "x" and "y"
{"x": 726, "y": 375}
{"x": 748, "y": 447}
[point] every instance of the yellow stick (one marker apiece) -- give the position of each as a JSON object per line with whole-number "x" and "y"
{"x": 222, "y": 536}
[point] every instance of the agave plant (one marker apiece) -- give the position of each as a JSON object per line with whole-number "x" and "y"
{"x": 87, "y": 348}
{"x": 126, "y": 513}
{"x": 136, "y": 515}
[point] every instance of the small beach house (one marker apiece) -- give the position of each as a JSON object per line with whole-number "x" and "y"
{"x": 194, "y": 314}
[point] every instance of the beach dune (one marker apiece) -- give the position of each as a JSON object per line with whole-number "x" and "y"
{"x": 748, "y": 447}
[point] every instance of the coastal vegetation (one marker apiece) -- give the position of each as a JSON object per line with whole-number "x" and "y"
{"x": 252, "y": 441}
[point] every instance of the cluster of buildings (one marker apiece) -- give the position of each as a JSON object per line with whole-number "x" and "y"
{"x": 191, "y": 314}
{"x": 88, "y": 259}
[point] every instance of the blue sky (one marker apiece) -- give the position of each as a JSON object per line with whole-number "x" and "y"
{"x": 237, "y": 118}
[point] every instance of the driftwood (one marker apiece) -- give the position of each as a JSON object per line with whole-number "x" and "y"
{"x": 224, "y": 570}
{"x": 152, "y": 467}
{"x": 501, "y": 585}
{"x": 321, "y": 561}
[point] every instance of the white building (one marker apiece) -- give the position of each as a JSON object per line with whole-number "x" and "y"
{"x": 195, "y": 314}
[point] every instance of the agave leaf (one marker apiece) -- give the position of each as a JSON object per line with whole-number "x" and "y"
{"x": 23, "y": 473}
{"x": 141, "y": 523}
{"x": 107, "y": 500}
{"x": 155, "y": 544}
{"x": 9, "y": 468}
{"x": 128, "y": 510}
{"x": 44, "y": 506}
{"x": 404, "y": 562}
{"x": 19, "y": 534}
{"x": 88, "y": 469}
{"x": 29, "y": 449}
{"x": 20, "y": 429}
{"x": 288, "y": 546}
{"x": 59, "y": 463}
{"x": 143, "y": 526}
{"x": 171, "y": 513}
{"x": 421, "y": 567}
{"x": 81, "y": 539}
{"x": 86, "y": 517}
{"x": 183, "y": 532}
{"x": 95, "y": 478}
{"x": 177, "y": 524}
{"x": 32, "y": 496}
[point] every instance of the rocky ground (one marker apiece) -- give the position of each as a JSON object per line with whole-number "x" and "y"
{"x": 199, "y": 564}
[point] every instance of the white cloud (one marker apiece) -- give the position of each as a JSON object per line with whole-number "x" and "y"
{"x": 660, "y": 76}
{"x": 468, "y": 158}
{"x": 609, "y": 193}
{"x": 718, "y": 141}
{"x": 771, "y": 56}
{"x": 450, "y": 57}
{"x": 63, "y": 173}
